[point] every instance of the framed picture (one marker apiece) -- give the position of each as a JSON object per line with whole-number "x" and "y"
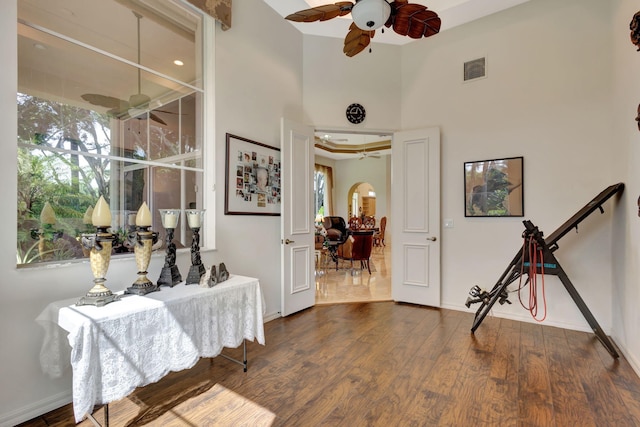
{"x": 494, "y": 187}
{"x": 252, "y": 184}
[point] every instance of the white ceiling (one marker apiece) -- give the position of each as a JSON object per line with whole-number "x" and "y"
{"x": 452, "y": 13}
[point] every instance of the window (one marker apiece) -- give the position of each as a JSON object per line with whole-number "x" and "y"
{"x": 322, "y": 185}
{"x": 103, "y": 110}
{"x": 319, "y": 188}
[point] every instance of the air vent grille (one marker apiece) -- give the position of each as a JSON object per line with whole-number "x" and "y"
{"x": 475, "y": 69}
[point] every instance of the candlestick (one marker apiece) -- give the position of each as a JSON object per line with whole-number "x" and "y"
{"x": 99, "y": 245}
{"x": 170, "y": 275}
{"x": 194, "y": 218}
{"x": 46, "y": 234}
{"x": 142, "y": 241}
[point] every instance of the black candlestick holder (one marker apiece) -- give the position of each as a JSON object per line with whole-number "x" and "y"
{"x": 170, "y": 275}
{"x": 197, "y": 268}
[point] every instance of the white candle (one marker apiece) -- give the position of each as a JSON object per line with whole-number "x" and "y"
{"x": 131, "y": 219}
{"x": 170, "y": 220}
{"x": 101, "y": 216}
{"x": 143, "y": 218}
{"x": 86, "y": 219}
{"x": 47, "y": 216}
{"x": 194, "y": 219}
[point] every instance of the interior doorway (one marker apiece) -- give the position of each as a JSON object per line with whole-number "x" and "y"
{"x": 360, "y": 169}
{"x": 361, "y": 200}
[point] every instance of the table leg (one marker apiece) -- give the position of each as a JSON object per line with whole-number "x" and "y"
{"x": 242, "y": 362}
{"x": 106, "y": 417}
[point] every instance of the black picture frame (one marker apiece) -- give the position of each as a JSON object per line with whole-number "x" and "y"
{"x": 252, "y": 178}
{"x": 494, "y": 188}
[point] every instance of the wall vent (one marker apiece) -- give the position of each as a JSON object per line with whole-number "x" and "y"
{"x": 475, "y": 69}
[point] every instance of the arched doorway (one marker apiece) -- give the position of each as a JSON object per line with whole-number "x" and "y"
{"x": 361, "y": 200}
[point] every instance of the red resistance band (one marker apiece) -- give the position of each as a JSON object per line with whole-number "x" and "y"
{"x": 535, "y": 256}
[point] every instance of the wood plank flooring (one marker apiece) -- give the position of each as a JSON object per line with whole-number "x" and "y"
{"x": 389, "y": 364}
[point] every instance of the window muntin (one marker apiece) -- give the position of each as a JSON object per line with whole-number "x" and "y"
{"x": 71, "y": 152}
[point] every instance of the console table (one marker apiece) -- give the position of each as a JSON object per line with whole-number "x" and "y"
{"x": 139, "y": 339}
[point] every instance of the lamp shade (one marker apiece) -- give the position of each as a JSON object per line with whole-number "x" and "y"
{"x": 370, "y": 14}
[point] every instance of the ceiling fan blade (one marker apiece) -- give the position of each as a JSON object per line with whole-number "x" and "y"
{"x": 356, "y": 40}
{"x": 321, "y": 13}
{"x": 156, "y": 119}
{"x": 106, "y": 101}
{"x": 413, "y": 20}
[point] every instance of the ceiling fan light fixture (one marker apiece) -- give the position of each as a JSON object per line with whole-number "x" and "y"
{"x": 139, "y": 100}
{"x": 370, "y": 14}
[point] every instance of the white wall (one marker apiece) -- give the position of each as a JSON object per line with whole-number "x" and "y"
{"x": 624, "y": 130}
{"x": 547, "y": 97}
{"x": 253, "y": 91}
{"x": 332, "y": 81}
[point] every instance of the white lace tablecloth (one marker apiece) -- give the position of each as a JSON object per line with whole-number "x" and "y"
{"x": 139, "y": 339}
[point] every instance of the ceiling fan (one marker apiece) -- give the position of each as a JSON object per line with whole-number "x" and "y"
{"x": 407, "y": 19}
{"x": 328, "y": 138}
{"x": 366, "y": 154}
{"x": 136, "y": 105}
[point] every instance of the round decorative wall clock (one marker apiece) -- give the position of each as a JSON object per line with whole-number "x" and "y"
{"x": 355, "y": 113}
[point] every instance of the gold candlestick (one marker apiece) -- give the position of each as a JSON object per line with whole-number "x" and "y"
{"x": 142, "y": 240}
{"x": 99, "y": 246}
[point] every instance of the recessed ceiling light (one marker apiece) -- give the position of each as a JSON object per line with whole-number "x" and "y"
{"x": 39, "y": 46}
{"x": 178, "y": 63}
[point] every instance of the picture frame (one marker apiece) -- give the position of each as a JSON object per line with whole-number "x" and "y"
{"x": 252, "y": 177}
{"x": 494, "y": 188}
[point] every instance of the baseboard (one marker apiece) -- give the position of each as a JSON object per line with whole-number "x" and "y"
{"x": 271, "y": 316}
{"x": 633, "y": 361}
{"x": 525, "y": 317}
{"x": 35, "y": 409}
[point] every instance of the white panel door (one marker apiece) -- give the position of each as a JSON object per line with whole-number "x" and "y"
{"x": 415, "y": 185}
{"x": 297, "y": 231}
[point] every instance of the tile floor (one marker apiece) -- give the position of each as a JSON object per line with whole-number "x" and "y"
{"x": 354, "y": 285}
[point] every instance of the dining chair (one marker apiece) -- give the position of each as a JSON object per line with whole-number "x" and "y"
{"x": 378, "y": 237}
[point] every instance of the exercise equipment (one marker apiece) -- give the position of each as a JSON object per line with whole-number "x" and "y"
{"x": 548, "y": 264}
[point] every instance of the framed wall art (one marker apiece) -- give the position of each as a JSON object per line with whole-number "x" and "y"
{"x": 494, "y": 187}
{"x": 252, "y": 184}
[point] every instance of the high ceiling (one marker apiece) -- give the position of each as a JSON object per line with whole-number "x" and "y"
{"x": 452, "y": 12}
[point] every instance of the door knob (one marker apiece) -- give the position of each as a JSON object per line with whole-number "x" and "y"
{"x": 286, "y": 242}
{"x": 433, "y": 239}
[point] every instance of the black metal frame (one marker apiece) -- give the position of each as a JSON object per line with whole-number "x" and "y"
{"x": 549, "y": 245}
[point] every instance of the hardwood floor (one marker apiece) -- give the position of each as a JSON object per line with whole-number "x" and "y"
{"x": 389, "y": 364}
